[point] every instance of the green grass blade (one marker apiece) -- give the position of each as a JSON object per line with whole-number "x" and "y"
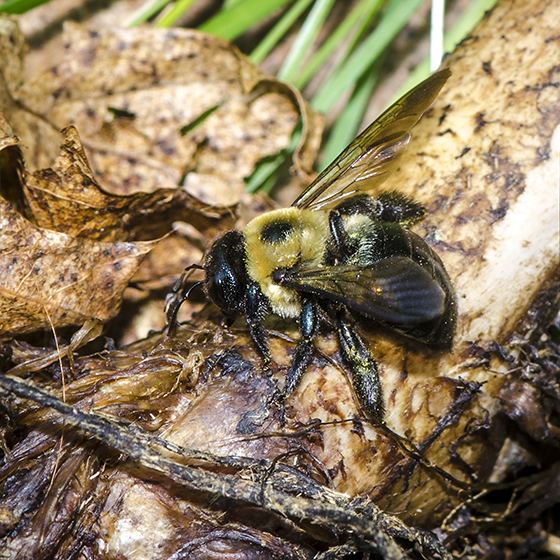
{"x": 197, "y": 121}
{"x": 363, "y": 12}
{"x": 437, "y": 30}
{"x": 264, "y": 175}
{"x": 394, "y": 18}
{"x": 465, "y": 23}
{"x": 147, "y": 11}
{"x": 304, "y": 39}
{"x": 178, "y": 9}
{"x": 348, "y": 122}
{"x": 277, "y": 33}
{"x": 232, "y": 22}
{"x": 20, "y": 6}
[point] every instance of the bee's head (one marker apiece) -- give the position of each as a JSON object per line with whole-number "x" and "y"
{"x": 226, "y": 272}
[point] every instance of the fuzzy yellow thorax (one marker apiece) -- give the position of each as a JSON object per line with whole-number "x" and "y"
{"x": 283, "y": 239}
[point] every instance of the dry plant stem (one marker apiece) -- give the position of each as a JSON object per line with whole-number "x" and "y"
{"x": 321, "y": 506}
{"x": 89, "y": 331}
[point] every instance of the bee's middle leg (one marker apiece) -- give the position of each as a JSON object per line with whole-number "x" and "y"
{"x": 364, "y": 370}
{"x": 304, "y": 349}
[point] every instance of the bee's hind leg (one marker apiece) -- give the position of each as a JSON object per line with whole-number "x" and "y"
{"x": 364, "y": 370}
{"x": 304, "y": 349}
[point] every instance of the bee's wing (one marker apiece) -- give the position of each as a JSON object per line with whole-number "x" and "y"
{"x": 366, "y": 162}
{"x": 394, "y": 290}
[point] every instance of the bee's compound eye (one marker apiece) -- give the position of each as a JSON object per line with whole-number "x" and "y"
{"x": 225, "y": 272}
{"x": 276, "y": 232}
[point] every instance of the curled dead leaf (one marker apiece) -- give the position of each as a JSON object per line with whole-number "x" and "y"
{"x": 68, "y": 198}
{"x": 161, "y": 108}
{"x": 51, "y": 273}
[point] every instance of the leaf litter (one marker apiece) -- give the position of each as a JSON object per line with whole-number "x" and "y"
{"x": 164, "y": 126}
{"x": 163, "y": 108}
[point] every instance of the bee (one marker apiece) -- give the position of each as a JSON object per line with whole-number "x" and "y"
{"x": 342, "y": 253}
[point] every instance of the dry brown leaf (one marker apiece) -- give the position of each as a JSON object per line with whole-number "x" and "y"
{"x": 49, "y": 277}
{"x": 159, "y": 108}
{"x": 41, "y": 139}
{"x": 68, "y": 198}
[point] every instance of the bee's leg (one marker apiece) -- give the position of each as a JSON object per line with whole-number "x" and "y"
{"x": 304, "y": 349}
{"x": 255, "y": 309}
{"x": 364, "y": 370}
{"x": 179, "y": 293}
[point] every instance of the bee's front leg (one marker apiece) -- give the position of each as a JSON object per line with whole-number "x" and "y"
{"x": 364, "y": 370}
{"x": 304, "y": 349}
{"x": 179, "y": 293}
{"x": 256, "y": 307}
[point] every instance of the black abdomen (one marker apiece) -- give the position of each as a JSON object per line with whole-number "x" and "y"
{"x": 373, "y": 240}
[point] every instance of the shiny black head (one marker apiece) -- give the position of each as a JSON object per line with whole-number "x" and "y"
{"x": 226, "y": 273}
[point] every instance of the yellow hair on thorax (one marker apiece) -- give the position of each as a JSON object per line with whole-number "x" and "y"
{"x": 305, "y": 242}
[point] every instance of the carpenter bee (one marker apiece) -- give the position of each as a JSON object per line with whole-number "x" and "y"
{"x": 341, "y": 252}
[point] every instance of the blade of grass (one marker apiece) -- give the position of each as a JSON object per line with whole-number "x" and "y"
{"x": 304, "y": 39}
{"x": 264, "y": 174}
{"x": 178, "y": 10}
{"x": 348, "y": 122}
{"x": 465, "y": 23}
{"x": 363, "y": 12}
{"x": 231, "y": 22}
{"x": 394, "y": 18}
{"x": 199, "y": 120}
{"x": 20, "y": 6}
{"x": 277, "y": 33}
{"x": 146, "y": 12}
{"x": 437, "y": 25}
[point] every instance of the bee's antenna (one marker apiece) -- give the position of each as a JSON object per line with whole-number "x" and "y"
{"x": 179, "y": 293}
